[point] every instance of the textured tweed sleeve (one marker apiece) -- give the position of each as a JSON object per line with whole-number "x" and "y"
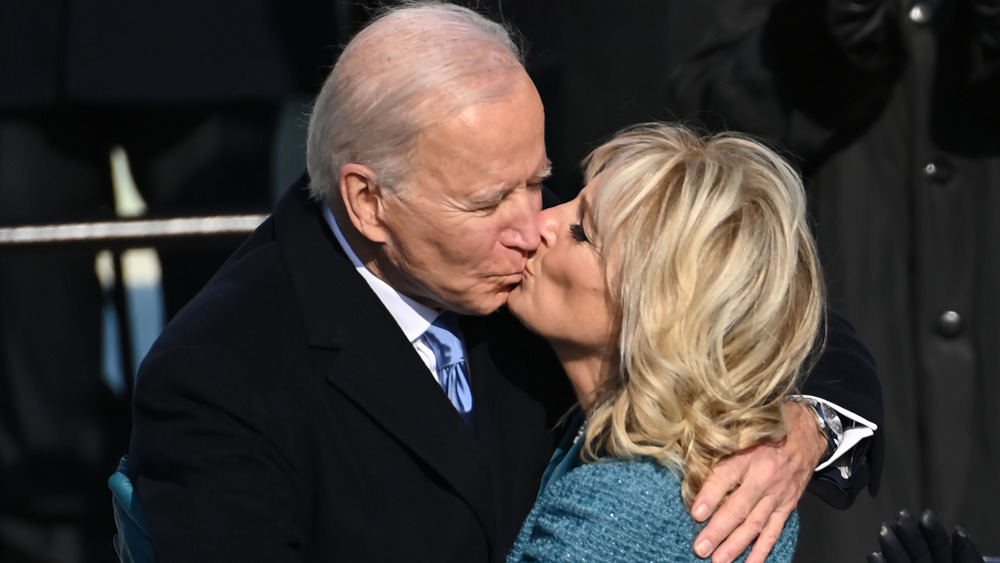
{"x": 622, "y": 511}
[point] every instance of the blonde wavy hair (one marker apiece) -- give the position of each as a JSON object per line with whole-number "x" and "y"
{"x": 714, "y": 274}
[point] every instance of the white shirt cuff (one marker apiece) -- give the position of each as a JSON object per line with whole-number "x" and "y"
{"x": 856, "y": 429}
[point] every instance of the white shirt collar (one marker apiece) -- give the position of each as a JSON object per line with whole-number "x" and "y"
{"x": 412, "y": 317}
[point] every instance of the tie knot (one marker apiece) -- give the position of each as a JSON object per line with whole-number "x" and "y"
{"x": 443, "y": 338}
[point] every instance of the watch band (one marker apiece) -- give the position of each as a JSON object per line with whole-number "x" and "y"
{"x": 829, "y": 424}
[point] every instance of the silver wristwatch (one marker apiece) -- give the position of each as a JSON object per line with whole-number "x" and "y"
{"x": 829, "y": 424}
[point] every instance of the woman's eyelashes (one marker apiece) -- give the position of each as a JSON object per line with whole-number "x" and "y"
{"x": 576, "y": 231}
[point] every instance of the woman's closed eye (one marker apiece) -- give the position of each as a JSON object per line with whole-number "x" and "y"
{"x": 576, "y": 231}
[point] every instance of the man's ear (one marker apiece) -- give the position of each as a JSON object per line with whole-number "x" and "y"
{"x": 363, "y": 201}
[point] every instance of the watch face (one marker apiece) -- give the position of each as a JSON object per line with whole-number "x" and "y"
{"x": 831, "y": 421}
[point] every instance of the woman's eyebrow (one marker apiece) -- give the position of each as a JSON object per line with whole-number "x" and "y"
{"x": 585, "y": 214}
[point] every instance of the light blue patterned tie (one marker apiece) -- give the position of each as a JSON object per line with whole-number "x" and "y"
{"x": 444, "y": 339}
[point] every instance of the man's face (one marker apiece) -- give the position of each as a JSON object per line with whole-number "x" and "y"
{"x": 460, "y": 229}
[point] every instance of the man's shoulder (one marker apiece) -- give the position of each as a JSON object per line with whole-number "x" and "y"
{"x": 245, "y": 292}
{"x": 246, "y": 310}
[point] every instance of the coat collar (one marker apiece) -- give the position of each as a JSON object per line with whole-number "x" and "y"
{"x": 372, "y": 362}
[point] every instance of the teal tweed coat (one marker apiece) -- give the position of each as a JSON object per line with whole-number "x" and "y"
{"x": 625, "y": 511}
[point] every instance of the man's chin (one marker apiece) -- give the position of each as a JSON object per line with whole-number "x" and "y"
{"x": 487, "y": 301}
{"x": 496, "y": 304}
{"x": 486, "y": 305}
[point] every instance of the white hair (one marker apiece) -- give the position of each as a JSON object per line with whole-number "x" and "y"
{"x": 411, "y": 67}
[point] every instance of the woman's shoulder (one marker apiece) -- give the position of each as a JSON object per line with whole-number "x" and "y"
{"x": 642, "y": 482}
{"x": 609, "y": 511}
{"x": 641, "y": 470}
{"x": 616, "y": 510}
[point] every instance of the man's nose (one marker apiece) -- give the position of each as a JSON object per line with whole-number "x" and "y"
{"x": 522, "y": 233}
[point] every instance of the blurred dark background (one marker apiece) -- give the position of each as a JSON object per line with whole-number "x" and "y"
{"x": 204, "y": 106}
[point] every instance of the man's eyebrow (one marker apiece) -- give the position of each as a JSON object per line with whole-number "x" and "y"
{"x": 492, "y": 197}
{"x": 545, "y": 172}
{"x": 495, "y": 197}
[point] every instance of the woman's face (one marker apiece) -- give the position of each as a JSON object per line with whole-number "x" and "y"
{"x": 563, "y": 292}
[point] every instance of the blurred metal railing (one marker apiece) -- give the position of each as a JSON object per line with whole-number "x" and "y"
{"x": 125, "y": 233}
{"x": 121, "y": 234}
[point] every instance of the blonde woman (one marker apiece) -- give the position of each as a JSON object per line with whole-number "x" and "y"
{"x": 681, "y": 292}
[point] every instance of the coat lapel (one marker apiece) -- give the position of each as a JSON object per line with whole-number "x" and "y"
{"x": 372, "y": 362}
{"x": 401, "y": 396}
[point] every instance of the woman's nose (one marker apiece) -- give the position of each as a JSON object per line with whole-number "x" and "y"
{"x": 548, "y": 224}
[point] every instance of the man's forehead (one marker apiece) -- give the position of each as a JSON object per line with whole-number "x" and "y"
{"x": 510, "y": 177}
{"x": 440, "y": 145}
{"x": 491, "y": 145}
{"x": 538, "y": 168}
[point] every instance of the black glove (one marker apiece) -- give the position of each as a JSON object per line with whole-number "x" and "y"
{"x": 907, "y": 541}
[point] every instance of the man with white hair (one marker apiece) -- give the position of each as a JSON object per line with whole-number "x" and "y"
{"x": 287, "y": 414}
